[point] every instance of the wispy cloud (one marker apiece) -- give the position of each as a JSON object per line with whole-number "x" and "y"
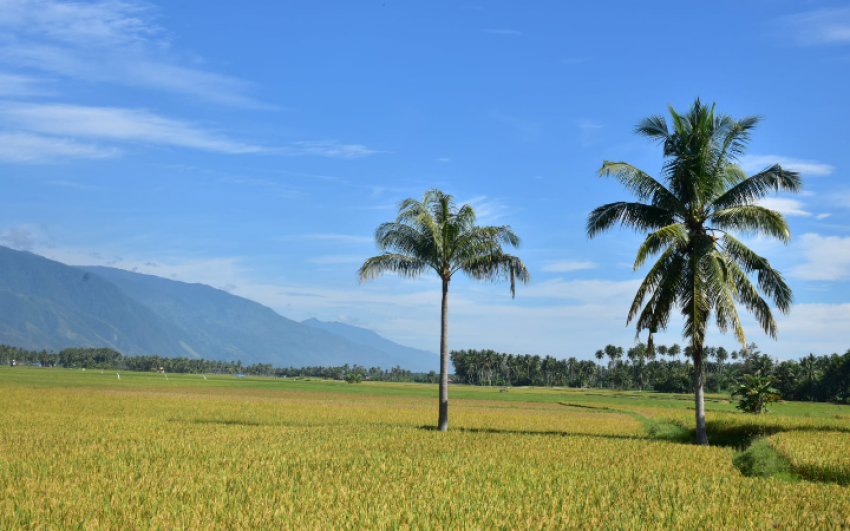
{"x": 108, "y": 41}
{"x": 819, "y": 27}
{"x": 73, "y": 184}
{"x": 806, "y": 167}
{"x": 15, "y": 85}
{"x": 568, "y": 266}
{"x": 589, "y": 131}
{"x": 502, "y": 31}
{"x": 265, "y": 185}
{"x": 527, "y": 129}
{"x": 117, "y": 124}
{"x": 826, "y": 257}
{"x": 789, "y": 207}
{"x": 444, "y": 159}
{"x": 331, "y": 149}
{"x": 35, "y": 149}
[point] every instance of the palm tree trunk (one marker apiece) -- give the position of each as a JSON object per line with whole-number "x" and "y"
{"x": 443, "y": 423}
{"x": 699, "y": 397}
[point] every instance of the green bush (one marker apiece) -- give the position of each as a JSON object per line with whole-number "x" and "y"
{"x": 756, "y": 393}
{"x": 353, "y": 378}
{"x": 760, "y": 460}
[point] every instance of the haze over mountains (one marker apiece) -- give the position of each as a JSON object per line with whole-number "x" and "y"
{"x": 47, "y": 304}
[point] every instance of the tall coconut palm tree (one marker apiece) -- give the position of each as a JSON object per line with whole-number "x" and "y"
{"x": 690, "y": 215}
{"x": 435, "y": 233}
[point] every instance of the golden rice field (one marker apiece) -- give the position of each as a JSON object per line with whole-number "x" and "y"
{"x": 816, "y": 455}
{"x": 226, "y": 454}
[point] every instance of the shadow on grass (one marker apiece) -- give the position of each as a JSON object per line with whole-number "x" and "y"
{"x": 532, "y": 432}
{"x": 723, "y": 434}
{"x": 720, "y": 432}
{"x": 225, "y": 422}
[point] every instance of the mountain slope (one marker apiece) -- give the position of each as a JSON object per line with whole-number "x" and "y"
{"x": 219, "y": 325}
{"x": 408, "y": 357}
{"x": 46, "y": 304}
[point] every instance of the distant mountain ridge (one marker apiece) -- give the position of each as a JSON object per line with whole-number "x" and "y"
{"x": 424, "y": 360}
{"x": 46, "y": 304}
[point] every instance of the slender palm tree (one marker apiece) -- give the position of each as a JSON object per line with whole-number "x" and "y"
{"x": 435, "y": 233}
{"x": 690, "y": 215}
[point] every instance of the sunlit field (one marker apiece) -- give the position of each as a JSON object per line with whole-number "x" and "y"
{"x": 85, "y": 450}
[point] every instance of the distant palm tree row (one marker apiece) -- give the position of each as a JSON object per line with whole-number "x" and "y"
{"x": 689, "y": 216}
{"x": 666, "y": 369}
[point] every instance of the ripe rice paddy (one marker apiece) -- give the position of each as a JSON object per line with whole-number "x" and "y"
{"x": 87, "y": 451}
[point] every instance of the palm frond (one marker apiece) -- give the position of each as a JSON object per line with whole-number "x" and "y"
{"x": 675, "y": 234}
{"x": 650, "y": 283}
{"x": 751, "y": 219}
{"x": 656, "y": 313}
{"x": 654, "y": 127}
{"x": 770, "y": 281}
{"x": 638, "y": 216}
{"x": 770, "y": 180}
{"x": 406, "y": 266}
{"x": 642, "y": 185}
{"x": 495, "y": 267}
{"x": 403, "y": 239}
{"x": 752, "y": 301}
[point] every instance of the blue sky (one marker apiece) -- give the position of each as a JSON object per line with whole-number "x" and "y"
{"x": 256, "y": 149}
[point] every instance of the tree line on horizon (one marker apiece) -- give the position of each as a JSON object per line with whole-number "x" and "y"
{"x": 666, "y": 369}
{"x": 107, "y": 358}
{"x": 663, "y": 369}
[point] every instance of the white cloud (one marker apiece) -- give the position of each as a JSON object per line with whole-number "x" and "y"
{"x": 826, "y": 257}
{"x": 588, "y": 291}
{"x": 331, "y": 149}
{"x": 814, "y": 327}
{"x": 819, "y": 27}
{"x": 444, "y": 159}
{"x": 116, "y": 124}
{"x": 31, "y": 148}
{"x": 757, "y": 163}
{"x": 788, "y": 207}
{"x": 26, "y": 237}
{"x": 567, "y": 266}
{"x": 108, "y": 41}
{"x": 822, "y": 216}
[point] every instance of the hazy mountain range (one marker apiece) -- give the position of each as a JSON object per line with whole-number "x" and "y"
{"x": 47, "y": 304}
